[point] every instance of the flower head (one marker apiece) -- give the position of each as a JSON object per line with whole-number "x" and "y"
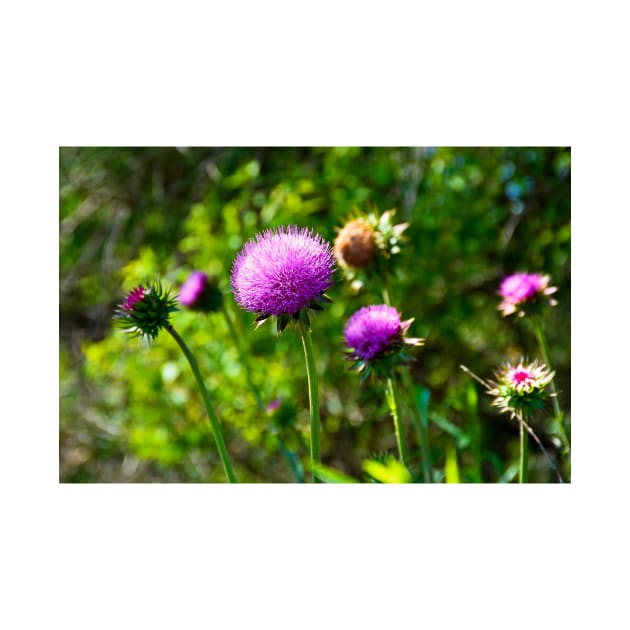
{"x": 520, "y": 291}
{"x": 283, "y": 272}
{"x": 146, "y": 310}
{"x": 376, "y": 334}
{"x": 520, "y": 388}
{"x": 201, "y": 293}
{"x": 366, "y": 242}
{"x": 355, "y": 245}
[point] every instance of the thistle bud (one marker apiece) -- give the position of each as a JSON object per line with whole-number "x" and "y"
{"x": 520, "y": 388}
{"x": 200, "y": 293}
{"x": 146, "y": 311}
{"x": 355, "y": 245}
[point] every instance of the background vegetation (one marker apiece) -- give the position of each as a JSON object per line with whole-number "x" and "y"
{"x": 130, "y": 412}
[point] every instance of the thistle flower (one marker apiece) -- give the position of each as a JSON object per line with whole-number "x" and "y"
{"x": 146, "y": 310}
{"x": 523, "y": 291}
{"x": 375, "y": 334}
{"x": 283, "y": 272}
{"x": 366, "y": 242}
{"x": 200, "y": 293}
{"x": 520, "y": 388}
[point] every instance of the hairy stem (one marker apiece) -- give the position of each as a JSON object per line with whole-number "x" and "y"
{"x": 313, "y": 396}
{"x": 214, "y": 421}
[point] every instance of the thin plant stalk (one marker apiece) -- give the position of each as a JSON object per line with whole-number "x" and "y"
{"x": 422, "y": 428}
{"x": 243, "y": 358}
{"x": 394, "y": 407}
{"x": 313, "y": 396}
{"x": 523, "y": 459}
{"x": 544, "y": 348}
{"x": 214, "y": 421}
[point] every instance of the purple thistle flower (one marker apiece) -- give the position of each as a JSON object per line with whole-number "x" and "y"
{"x": 375, "y": 332}
{"x": 282, "y": 271}
{"x": 192, "y": 288}
{"x": 521, "y": 288}
{"x": 200, "y": 293}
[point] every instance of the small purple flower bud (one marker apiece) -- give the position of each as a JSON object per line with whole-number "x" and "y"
{"x": 192, "y": 288}
{"x": 200, "y": 293}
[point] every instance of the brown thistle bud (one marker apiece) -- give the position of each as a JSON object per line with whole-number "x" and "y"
{"x": 355, "y": 245}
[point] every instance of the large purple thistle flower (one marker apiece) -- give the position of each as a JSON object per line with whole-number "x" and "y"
{"x": 375, "y": 332}
{"x": 282, "y": 271}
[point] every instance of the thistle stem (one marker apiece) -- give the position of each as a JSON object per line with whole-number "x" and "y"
{"x": 313, "y": 396}
{"x": 394, "y": 407}
{"x": 243, "y": 358}
{"x": 544, "y": 348}
{"x": 421, "y": 424}
{"x": 522, "y": 470}
{"x": 214, "y": 421}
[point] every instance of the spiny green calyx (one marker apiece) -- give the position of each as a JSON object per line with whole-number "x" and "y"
{"x": 146, "y": 310}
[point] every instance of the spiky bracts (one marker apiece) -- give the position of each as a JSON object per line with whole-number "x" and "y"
{"x": 146, "y": 310}
{"x": 283, "y": 273}
{"x": 375, "y": 336}
{"x": 524, "y": 293}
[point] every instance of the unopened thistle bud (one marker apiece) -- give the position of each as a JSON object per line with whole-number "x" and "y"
{"x": 375, "y": 336}
{"x": 365, "y": 244}
{"x": 520, "y": 388}
{"x": 355, "y": 244}
{"x": 524, "y": 293}
{"x": 146, "y": 310}
{"x": 200, "y": 293}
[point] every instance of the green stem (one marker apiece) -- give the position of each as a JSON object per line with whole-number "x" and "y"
{"x": 544, "y": 348}
{"x": 392, "y": 399}
{"x": 243, "y": 358}
{"x": 313, "y": 396}
{"x": 214, "y": 421}
{"x": 421, "y": 425}
{"x": 522, "y": 470}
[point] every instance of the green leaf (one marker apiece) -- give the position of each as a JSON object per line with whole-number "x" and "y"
{"x": 451, "y": 469}
{"x": 390, "y": 472}
{"x": 330, "y": 475}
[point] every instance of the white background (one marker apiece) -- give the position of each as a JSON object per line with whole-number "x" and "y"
{"x": 313, "y": 73}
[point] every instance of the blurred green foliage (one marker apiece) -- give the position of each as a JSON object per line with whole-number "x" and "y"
{"x": 131, "y": 412}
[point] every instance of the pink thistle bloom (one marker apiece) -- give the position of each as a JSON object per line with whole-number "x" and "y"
{"x": 280, "y": 272}
{"x": 521, "y": 288}
{"x": 192, "y": 288}
{"x": 135, "y": 296}
{"x": 375, "y": 331}
{"x": 520, "y": 387}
